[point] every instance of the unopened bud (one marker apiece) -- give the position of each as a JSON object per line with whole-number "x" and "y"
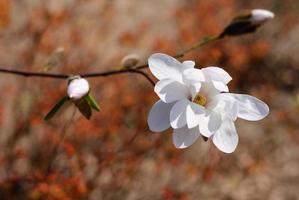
{"x": 247, "y": 22}
{"x": 77, "y": 88}
{"x": 130, "y": 60}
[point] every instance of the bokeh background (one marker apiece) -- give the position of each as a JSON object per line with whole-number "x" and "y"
{"x": 114, "y": 155}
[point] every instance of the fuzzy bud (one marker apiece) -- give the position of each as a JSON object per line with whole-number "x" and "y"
{"x": 130, "y": 60}
{"x": 55, "y": 59}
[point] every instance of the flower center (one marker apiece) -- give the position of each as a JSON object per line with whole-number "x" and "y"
{"x": 200, "y": 99}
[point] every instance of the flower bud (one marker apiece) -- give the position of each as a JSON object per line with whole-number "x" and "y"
{"x": 77, "y": 88}
{"x": 247, "y": 22}
{"x": 259, "y": 16}
{"x": 130, "y": 60}
{"x": 55, "y": 60}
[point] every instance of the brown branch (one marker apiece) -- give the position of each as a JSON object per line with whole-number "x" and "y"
{"x": 65, "y": 76}
{"x": 33, "y": 74}
{"x": 181, "y": 54}
{"x": 114, "y": 72}
{"x": 135, "y": 70}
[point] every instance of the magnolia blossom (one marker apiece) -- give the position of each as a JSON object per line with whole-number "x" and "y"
{"x": 259, "y": 16}
{"x": 77, "y": 88}
{"x": 196, "y": 102}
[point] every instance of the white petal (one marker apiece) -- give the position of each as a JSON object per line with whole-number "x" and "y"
{"x": 226, "y": 138}
{"x": 259, "y": 16}
{"x": 193, "y": 113}
{"x": 220, "y": 86}
{"x": 78, "y": 88}
{"x": 178, "y": 114}
{"x": 216, "y": 74}
{"x": 158, "y": 117}
{"x": 163, "y": 66}
{"x": 170, "y": 91}
{"x": 192, "y": 75}
{"x": 226, "y": 104}
{"x": 194, "y": 89}
{"x": 188, "y": 64}
{"x": 208, "y": 89}
{"x": 184, "y": 137}
{"x": 209, "y": 123}
{"x": 251, "y": 108}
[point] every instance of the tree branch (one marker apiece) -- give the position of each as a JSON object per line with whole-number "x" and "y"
{"x": 33, "y": 74}
{"x": 136, "y": 69}
{"x": 181, "y": 54}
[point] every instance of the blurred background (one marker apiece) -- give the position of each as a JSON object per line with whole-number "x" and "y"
{"x": 114, "y": 155}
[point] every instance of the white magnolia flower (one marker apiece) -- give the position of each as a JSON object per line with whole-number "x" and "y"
{"x": 259, "y": 16}
{"x": 196, "y": 102}
{"x": 77, "y": 88}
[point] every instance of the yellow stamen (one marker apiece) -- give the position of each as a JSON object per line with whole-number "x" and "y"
{"x": 200, "y": 99}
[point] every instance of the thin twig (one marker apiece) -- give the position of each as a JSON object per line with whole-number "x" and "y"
{"x": 106, "y": 73}
{"x": 113, "y": 72}
{"x": 65, "y": 76}
{"x": 33, "y": 74}
{"x": 144, "y": 75}
{"x": 181, "y": 54}
{"x": 201, "y": 43}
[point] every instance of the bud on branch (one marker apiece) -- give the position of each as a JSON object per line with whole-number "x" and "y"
{"x": 78, "y": 92}
{"x": 247, "y": 22}
{"x": 130, "y": 61}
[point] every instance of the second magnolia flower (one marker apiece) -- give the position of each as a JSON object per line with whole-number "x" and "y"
{"x": 196, "y": 102}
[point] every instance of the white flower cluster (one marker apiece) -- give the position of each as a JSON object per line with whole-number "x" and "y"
{"x": 197, "y": 102}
